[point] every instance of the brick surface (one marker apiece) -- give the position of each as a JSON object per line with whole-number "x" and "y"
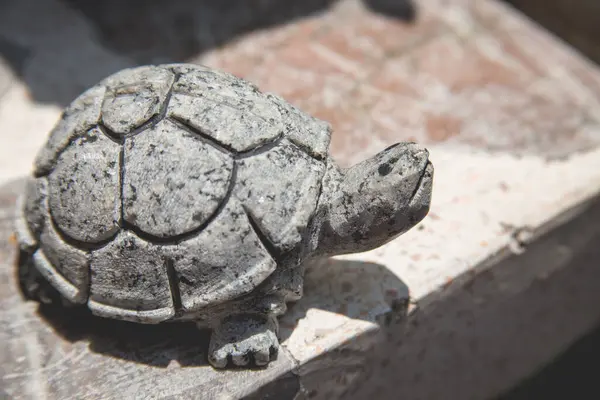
{"x": 466, "y": 92}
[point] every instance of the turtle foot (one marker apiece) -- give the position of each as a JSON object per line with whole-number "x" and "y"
{"x": 244, "y": 340}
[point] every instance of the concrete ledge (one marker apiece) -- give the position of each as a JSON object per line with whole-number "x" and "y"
{"x": 482, "y": 326}
{"x": 496, "y": 324}
{"x": 489, "y": 286}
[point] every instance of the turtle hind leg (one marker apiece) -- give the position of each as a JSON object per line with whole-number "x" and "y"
{"x": 244, "y": 339}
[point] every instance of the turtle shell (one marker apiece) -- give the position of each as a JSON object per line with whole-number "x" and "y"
{"x": 167, "y": 189}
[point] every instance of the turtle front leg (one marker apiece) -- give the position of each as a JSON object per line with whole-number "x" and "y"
{"x": 244, "y": 339}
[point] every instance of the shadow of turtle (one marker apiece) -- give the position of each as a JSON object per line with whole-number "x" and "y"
{"x": 155, "y": 345}
{"x": 351, "y": 289}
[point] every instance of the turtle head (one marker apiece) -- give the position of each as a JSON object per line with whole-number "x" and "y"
{"x": 376, "y": 200}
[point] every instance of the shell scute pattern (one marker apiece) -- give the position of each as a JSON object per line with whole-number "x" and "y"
{"x": 78, "y": 117}
{"x": 225, "y": 110}
{"x": 134, "y": 97}
{"x": 188, "y": 181}
{"x": 84, "y": 188}
{"x": 173, "y": 188}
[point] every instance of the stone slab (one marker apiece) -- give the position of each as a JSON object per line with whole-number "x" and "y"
{"x": 512, "y": 120}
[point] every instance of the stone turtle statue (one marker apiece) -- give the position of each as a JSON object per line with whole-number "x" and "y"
{"x": 182, "y": 193}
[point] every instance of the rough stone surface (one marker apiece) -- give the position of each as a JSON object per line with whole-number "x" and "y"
{"x": 77, "y": 118}
{"x": 39, "y": 273}
{"x": 133, "y": 96}
{"x": 377, "y": 200}
{"x": 224, "y": 112}
{"x": 84, "y": 188}
{"x": 223, "y": 262}
{"x": 282, "y": 199}
{"x": 66, "y": 261}
{"x": 129, "y": 279}
{"x": 222, "y": 121}
{"x": 245, "y": 339}
{"x": 173, "y": 181}
{"x": 104, "y": 358}
{"x": 306, "y": 131}
{"x": 34, "y": 205}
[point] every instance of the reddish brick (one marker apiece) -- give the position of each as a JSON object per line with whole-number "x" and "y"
{"x": 365, "y": 37}
{"x": 352, "y": 132}
{"x": 473, "y": 92}
{"x": 313, "y": 56}
{"x": 442, "y": 127}
{"x": 468, "y": 65}
{"x": 239, "y": 64}
{"x": 499, "y": 84}
{"x": 448, "y": 66}
{"x": 303, "y": 77}
{"x": 241, "y": 57}
{"x": 398, "y": 119}
{"x": 394, "y": 76}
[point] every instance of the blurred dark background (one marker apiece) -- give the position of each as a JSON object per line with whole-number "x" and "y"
{"x": 71, "y": 53}
{"x": 571, "y": 375}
